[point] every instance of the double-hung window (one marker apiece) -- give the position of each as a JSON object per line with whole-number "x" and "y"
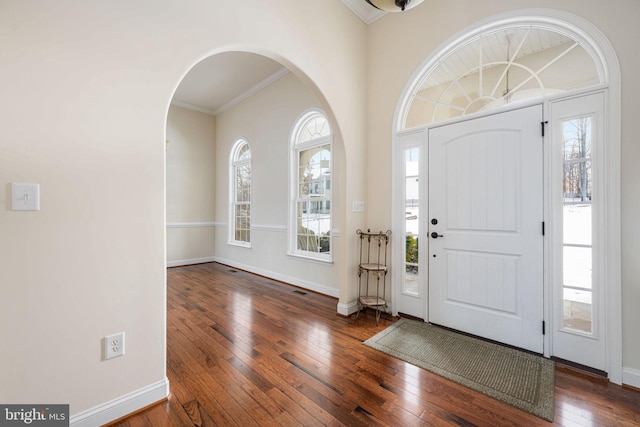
{"x": 311, "y": 165}
{"x": 240, "y": 191}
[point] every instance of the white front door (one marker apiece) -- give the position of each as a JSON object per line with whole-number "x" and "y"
{"x": 486, "y": 227}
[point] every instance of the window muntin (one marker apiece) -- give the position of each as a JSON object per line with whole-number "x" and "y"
{"x": 240, "y": 221}
{"x": 499, "y": 67}
{"x": 312, "y": 217}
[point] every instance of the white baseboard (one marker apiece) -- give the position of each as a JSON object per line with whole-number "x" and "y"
{"x": 122, "y": 406}
{"x": 182, "y": 262}
{"x": 315, "y": 287}
{"x": 631, "y": 377}
{"x": 347, "y": 309}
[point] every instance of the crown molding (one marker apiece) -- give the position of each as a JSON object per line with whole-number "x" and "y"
{"x": 252, "y": 90}
{"x": 363, "y": 10}
{"x": 238, "y": 99}
{"x": 193, "y": 107}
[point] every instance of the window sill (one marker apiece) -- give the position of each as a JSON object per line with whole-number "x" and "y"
{"x": 240, "y": 245}
{"x": 304, "y": 257}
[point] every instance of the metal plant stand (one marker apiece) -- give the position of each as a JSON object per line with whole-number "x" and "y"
{"x": 373, "y": 262}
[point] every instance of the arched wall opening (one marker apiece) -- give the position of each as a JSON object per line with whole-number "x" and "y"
{"x": 198, "y": 179}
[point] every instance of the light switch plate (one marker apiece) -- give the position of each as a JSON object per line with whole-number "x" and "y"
{"x": 25, "y": 197}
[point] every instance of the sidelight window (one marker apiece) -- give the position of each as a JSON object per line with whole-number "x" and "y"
{"x": 577, "y": 225}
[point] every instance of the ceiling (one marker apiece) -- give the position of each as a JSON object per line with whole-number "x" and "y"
{"x": 223, "y": 80}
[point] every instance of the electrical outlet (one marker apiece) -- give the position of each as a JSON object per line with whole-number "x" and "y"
{"x": 113, "y": 346}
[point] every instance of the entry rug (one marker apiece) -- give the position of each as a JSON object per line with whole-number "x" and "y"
{"x": 520, "y": 379}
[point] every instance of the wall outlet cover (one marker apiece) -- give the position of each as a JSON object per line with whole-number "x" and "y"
{"x": 113, "y": 345}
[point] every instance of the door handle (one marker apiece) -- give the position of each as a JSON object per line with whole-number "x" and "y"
{"x": 436, "y": 235}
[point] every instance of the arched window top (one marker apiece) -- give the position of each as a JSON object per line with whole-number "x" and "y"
{"x": 499, "y": 65}
{"x": 312, "y": 126}
{"x": 241, "y": 151}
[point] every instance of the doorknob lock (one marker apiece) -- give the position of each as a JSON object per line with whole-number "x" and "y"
{"x": 436, "y": 235}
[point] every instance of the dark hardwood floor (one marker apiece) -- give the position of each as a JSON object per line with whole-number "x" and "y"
{"x": 244, "y": 350}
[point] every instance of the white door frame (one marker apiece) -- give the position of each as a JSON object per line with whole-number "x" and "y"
{"x": 610, "y": 263}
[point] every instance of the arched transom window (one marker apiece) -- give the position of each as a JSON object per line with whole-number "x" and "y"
{"x": 497, "y": 67}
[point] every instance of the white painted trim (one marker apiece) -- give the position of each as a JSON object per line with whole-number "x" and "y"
{"x": 269, "y": 227}
{"x": 181, "y": 262}
{"x": 193, "y": 107}
{"x": 294, "y": 148}
{"x": 191, "y": 224}
{"x": 631, "y": 377}
{"x": 315, "y": 287}
{"x": 122, "y": 406}
{"x": 347, "y": 309}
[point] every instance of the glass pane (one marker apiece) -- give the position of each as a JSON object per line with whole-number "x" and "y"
{"x": 577, "y": 288}
{"x": 314, "y": 222}
{"x": 412, "y": 214}
{"x": 577, "y": 310}
{"x": 323, "y": 244}
{"x": 576, "y": 136}
{"x": 316, "y": 127}
{"x": 314, "y": 171}
{"x": 244, "y": 153}
{"x": 242, "y": 222}
{"x": 243, "y": 183}
{"x": 577, "y": 224}
{"x": 411, "y": 266}
{"x": 412, "y": 190}
{"x": 411, "y": 280}
{"x": 577, "y": 267}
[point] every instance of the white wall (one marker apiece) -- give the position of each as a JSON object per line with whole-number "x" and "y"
{"x": 399, "y": 43}
{"x": 266, "y": 120}
{"x": 85, "y": 93}
{"x": 86, "y": 90}
{"x": 191, "y": 165}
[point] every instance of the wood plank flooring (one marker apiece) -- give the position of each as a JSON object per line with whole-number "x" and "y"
{"x": 244, "y": 350}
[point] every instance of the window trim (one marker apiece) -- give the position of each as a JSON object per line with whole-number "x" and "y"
{"x": 294, "y": 149}
{"x": 233, "y": 164}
